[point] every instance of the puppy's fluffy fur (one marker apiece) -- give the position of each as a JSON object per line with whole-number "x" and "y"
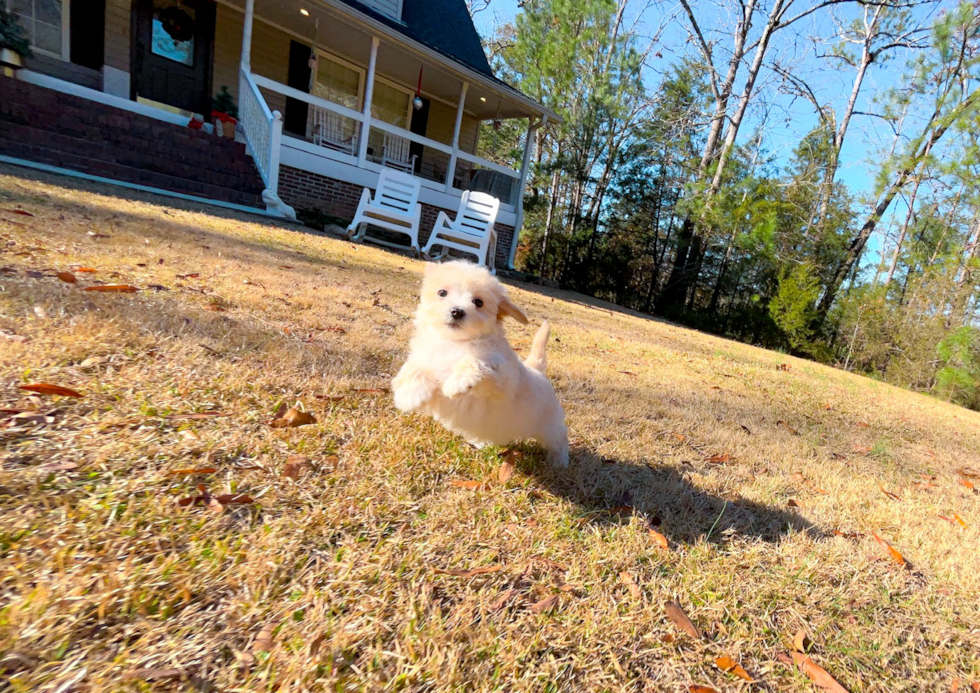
{"x": 464, "y": 373}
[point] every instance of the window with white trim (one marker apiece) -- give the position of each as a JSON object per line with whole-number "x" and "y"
{"x": 337, "y": 82}
{"x": 46, "y": 22}
{"x": 391, "y": 104}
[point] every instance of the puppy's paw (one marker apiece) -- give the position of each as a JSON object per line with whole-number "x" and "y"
{"x": 558, "y": 458}
{"x": 411, "y": 389}
{"x": 459, "y": 383}
{"x": 410, "y": 397}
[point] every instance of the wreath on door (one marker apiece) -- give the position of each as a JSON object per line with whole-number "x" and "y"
{"x": 177, "y": 23}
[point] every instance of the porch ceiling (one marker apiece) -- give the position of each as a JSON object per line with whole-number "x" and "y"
{"x": 397, "y": 61}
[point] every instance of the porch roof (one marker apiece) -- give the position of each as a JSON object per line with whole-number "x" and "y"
{"x": 346, "y": 28}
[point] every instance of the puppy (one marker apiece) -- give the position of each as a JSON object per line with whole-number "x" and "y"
{"x": 462, "y": 371}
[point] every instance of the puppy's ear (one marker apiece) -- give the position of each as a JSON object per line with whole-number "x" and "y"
{"x": 506, "y": 309}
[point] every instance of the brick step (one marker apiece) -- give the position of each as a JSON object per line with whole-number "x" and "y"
{"x": 129, "y": 174}
{"x": 59, "y": 129}
{"x": 158, "y": 157}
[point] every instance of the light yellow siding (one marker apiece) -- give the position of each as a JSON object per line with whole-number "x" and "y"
{"x": 270, "y": 54}
{"x": 118, "y": 33}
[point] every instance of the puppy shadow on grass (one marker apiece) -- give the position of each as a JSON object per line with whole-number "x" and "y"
{"x": 609, "y": 491}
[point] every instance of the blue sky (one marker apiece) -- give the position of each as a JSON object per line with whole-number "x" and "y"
{"x": 797, "y": 48}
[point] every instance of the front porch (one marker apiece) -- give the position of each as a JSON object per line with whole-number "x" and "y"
{"x": 318, "y": 146}
{"x": 328, "y": 93}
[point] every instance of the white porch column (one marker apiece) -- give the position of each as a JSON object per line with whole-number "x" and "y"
{"x": 525, "y": 169}
{"x": 368, "y": 96}
{"x": 451, "y": 171}
{"x": 246, "y": 62}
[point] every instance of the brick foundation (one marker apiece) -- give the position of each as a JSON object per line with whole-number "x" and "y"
{"x": 304, "y": 190}
{"x": 49, "y": 127}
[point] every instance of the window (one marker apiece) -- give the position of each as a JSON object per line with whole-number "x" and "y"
{"x": 337, "y": 82}
{"x": 46, "y": 22}
{"x": 391, "y": 104}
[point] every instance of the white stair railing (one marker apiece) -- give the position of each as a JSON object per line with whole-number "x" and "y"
{"x": 262, "y": 129}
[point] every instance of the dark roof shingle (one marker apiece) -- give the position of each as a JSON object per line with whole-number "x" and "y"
{"x": 442, "y": 25}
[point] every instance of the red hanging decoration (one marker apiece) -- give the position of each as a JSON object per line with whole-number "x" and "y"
{"x": 417, "y": 101}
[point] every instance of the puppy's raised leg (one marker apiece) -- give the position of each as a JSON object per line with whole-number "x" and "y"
{"x": 413, "y": 387}
{"x": 467, "y": 374}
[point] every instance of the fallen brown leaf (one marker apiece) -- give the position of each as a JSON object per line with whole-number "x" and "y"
{"x": 295, "y": 466}
{"x": 968, "y": 473}
{"x": 113, "y": 288}
{"x": 817, "y": 674}
{"x": 861, "y": 424}
{"x": 67, "y": 277}
{"x": 968, "y": 484}
{"x": 501, "y": 601}
{"x": 719, "y": 459}
{"x": 49, "y": 389}
{"x": 467, "y": 484}
{"x": 783, "y": 367}
{"x": 959, "y": 519}
{"x": 801, "y": 642}
{"x": 263, "y": 641}
{"x": 293, "y": 418}
{"x": 154, "y": 674}
{"x": 88, "y": 270}
{"x": 371, "y": 390}
{"x": 630, "y": 583}
{"x": 701, "y": 689}
{"x": 792, "y": 504}
{"x": 658, "y": 538}
{"x": 470, "y": 573}
{"x": 727, "y": 664}
{"x": 19, "y": 211}
{"x": 234, "y": 499}
{"x": 506, "y": 470}
{"x": 185, "y": 472}
{"x": 680, "y": 619}
{"x": 680, "y": 438}
{"x": 787, "y": 427}
{"x": 893, "y": 552}
{"x": 545, "y": 604}
{"x": 893, "y": 496}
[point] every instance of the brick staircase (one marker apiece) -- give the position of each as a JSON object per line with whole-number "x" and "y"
{"x": 49, "y": 127}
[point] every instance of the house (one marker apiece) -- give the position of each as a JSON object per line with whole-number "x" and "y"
{"x": 328, "y": 92}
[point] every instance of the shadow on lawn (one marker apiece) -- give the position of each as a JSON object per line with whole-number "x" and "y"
{"x": 608, "y": 491}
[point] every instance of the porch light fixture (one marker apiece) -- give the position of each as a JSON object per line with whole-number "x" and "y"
{"x": 483, "y": 99}
{"x": 304, "y": 12}
{"x": 417, "y": 101}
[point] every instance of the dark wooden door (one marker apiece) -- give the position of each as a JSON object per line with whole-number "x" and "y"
{"x": 173, "y": 44}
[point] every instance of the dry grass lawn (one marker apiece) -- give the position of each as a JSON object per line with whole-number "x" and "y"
{"x": 748, "y": 462}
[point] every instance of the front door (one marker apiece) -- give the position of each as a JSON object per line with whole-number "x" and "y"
{"x": 173, "y": 41}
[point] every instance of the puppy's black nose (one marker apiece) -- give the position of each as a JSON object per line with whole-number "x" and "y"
{"x": 458, "y": 313}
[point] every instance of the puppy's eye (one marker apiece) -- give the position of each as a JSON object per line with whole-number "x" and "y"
{"x": 478, "y": 302}
{"x": 442, "y": 293}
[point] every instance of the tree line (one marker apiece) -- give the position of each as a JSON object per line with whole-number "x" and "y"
{"x": 657, "y": 191}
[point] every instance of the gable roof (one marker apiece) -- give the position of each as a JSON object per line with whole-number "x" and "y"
{"x": 444, "y": 26}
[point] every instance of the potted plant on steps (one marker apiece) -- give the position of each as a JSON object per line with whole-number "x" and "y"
{"x": 14, "y": 44}
{"x": 224, "y": 113}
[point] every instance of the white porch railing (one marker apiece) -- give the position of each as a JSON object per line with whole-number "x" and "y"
{"x": 469, "y": 170}
{"x": 262, "y": 129}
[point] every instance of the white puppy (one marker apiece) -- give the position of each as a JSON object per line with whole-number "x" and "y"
{"x": 464, "y": 373}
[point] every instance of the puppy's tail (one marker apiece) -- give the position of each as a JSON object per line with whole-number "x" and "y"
{"x": 537, "y": 359}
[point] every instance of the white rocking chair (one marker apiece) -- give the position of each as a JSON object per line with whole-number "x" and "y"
{"x": 330, "y": 131}
{"x": 472, "y": 232}
{"x": 394, "y": 207}
{"x": 395, "y": 154}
